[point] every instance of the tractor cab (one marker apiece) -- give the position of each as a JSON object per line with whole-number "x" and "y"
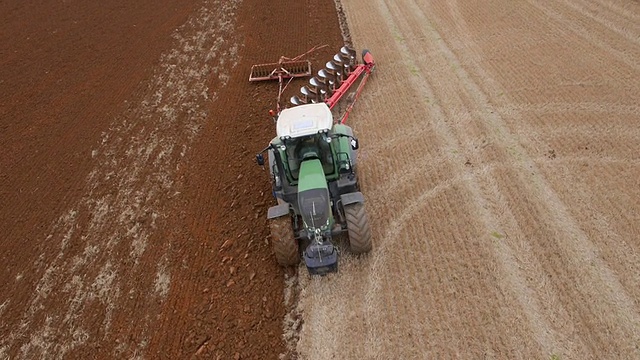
{"x": 310, "y": 147}
{"x": 303, "y": 132}
{"x": 306, "y": 134}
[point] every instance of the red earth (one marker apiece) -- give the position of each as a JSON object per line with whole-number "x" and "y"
{"x": 128, "y": 236}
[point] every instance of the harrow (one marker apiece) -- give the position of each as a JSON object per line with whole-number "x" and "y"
{"x": 285, "y": 68}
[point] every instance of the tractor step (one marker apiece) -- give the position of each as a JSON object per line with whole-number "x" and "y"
{"x": 280, "y": 70}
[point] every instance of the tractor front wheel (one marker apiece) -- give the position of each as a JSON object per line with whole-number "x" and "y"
{"x": 358, "y": 228}
{"x": 283, "y": 241}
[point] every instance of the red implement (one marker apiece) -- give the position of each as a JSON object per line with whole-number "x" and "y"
{"x": 284, "y": 69}
{"x": 360, "y": 69}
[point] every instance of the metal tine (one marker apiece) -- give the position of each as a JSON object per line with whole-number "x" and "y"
{"x": 345, "y": 68}
{"x": 332, "y": 66}
{"x": 306, "y": 92}
{"x": 350, "y": 54}
{"x": 322, "y": 73}
{"x": 335, "y": 68}
{"x": 335, "y": 78}
{"x": 317, "y": 83}
{"x": 314, "y": 83}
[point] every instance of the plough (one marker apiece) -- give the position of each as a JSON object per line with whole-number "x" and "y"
{"x": 330, "y": 84}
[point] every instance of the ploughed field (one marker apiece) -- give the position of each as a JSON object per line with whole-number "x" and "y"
{"x": 133, "y": 215}
{"x": 499, "y": 161}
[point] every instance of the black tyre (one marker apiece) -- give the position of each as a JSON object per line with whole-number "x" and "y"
{"x": 283, "y": 241}
{"x": 358, "y": 228}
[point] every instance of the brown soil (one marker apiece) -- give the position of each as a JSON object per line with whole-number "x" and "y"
{"x": 499, "y": 160}
{"x": 133, "y": 214}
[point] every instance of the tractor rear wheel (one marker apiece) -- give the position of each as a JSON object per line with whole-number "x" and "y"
{"x": 283, "y": 241}
{"x": 358, "y": 228}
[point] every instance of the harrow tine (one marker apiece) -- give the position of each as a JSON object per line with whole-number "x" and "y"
{"x": 347, "y": 69}
{"x": 353, "y": 56}
{"x": 322, "y": 73}
{"x": 333, "y": 66}
{"x": 280, "y": 70}
{"x": 305, "y": 97}
{"x": 317, "y": 83}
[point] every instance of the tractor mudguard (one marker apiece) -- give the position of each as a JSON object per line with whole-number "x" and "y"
{"x": 278, "y": 211}
{"x": 352, "y": 198}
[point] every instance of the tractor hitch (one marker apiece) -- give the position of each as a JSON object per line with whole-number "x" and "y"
{"x": 321, "y": 259}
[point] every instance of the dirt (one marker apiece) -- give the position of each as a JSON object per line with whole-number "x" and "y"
{"x": 499, "y": 161}
{"x": 133, "y": 213}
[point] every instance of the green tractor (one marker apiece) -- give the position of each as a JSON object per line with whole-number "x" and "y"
{"x": 312, "y": 163}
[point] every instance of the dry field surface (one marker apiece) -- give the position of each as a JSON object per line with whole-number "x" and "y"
{"x": 500, "y": 146}
{"x": 501, "y": 165}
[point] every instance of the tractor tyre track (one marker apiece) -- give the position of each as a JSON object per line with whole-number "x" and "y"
{"x": 491, "y": 238}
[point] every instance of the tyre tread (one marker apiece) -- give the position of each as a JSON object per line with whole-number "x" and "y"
{"x": 285, "y": 246}
{"x": 358, "y": 228}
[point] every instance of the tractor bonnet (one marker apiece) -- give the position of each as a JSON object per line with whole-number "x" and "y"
{"x": 304, "y": 120}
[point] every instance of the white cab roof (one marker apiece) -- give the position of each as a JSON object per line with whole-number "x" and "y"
{"x": 303, "y": 120}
